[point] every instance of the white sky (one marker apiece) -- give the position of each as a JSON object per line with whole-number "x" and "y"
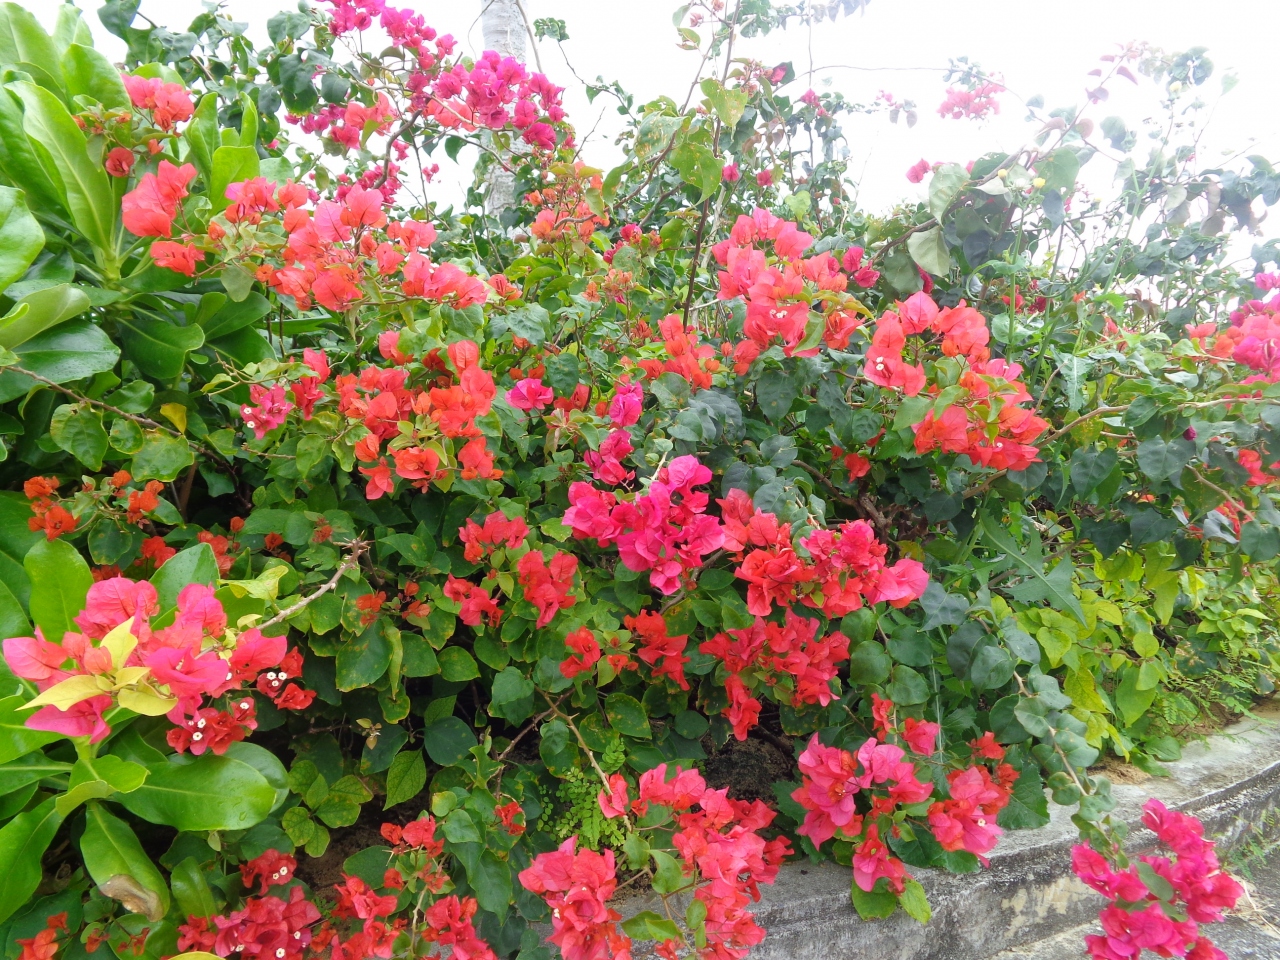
{"x": 1042, "y": 48}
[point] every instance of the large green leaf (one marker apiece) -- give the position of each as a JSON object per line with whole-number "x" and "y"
{"x": 89, "y": 74}
{"x": 111, "y": 851}
{"x": 158, "y": 348}
{"x": 69, "y": 27}
{"x": 41, "y": 310}
{"x": 207, "y": 792}
{"x": 60, "y": 580}
{"x": 70, "y": 351}
{"x": 19, "y": 164}
{"x": 233, "y": 316}
{"x": 16, "y": 538}
{"x": 77, "y": 429}
{"x": 1055, "y": 586}
{"x": 202, "y": 135}
{"x": 61, "y": 144}
{"x": 13, "y": 618}
{"x": 230, "y": 165}
{"x": 23, "y": 842}
{"x": 16, "y": 738}
{"x": 195, "y": 564}
{"x": 25, "y": 46}
{"x": 162, "y": 456}
{"x": 21, "y": 238}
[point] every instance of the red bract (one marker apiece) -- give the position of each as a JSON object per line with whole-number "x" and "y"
{"x": 169, "y": 103}
{"x": 149, "y": 209}
{"x": 549, "y": 588}
{"x": 584, "y": 652}
{"x": 271, "y": 869}
{"x": 497, "y": 531}
{"x": 576, "y": 886}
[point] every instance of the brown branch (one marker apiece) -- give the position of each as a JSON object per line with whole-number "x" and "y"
{"x": 358, "y": 549}
{"x": 143, "y": 421}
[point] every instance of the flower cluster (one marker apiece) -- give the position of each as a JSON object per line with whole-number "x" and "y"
{"x": 721, "y": 854}
{"x": 577, "y": 885}
{"x": 1159, "y": 906}
{"x": 117, "y": 658}
{"x": 837, "y": 571}
{"x": 788, "y": 657}
{"x": 665, "y": 531}
{"x": 985, "y": 421}
{"x": 494, "y": 92}
{"x": 780, "y": 295}
{"x": 973, "y": 104}
{"x": 855, "y": 796}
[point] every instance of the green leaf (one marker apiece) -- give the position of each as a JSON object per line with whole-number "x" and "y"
{"x": 195, "y": 564}
{"x": 1131, "y": 701}
{"x": 492, "y": 884}
{"x": 945, "y": 183}
{"x": 775, "y": 392}
{"x": 405, "y": 778}
{"x": 907, "y": 687}
{"x": 1059, "y": 169}
{"x": 627, "y": 716}
{"x": 1163, "y": 460}
{"x": 929, "y": 250}
{"x": 158, "y": 347}
{"x": 70, "y": 351}
{"x": 448, "y": 741}
{"x": 875, "y": 905}
{"x": 19, "y": 162}
{"x": 729, "y": 105}
{"x": 111, "y": 850}
{"x": 363, "y": 659}
{"x": 647, "y": 925}
{"x": 58, "y": 141}
{"x": 21, "y": 238}
{"x": 207, "y": 792}
{"x": 191, "y": 890}
{"x": 698, "y": 166}
{"x": 202, "y": 135}
{"x": 457, "y": 665}
{"x": 162, "y": 456}
{"x": 869, "y": 664}
{"x": 912, "y": 899}
{"x": 341, "y": 807}
{"x": 41, "y": 310}
{"x": 60, "y": 580}
{"x": 230, "y": 165}
{"x": 78, "y": 430}
{"x": 23, "y": 841}
{"x": 90, "y": 74}
{"x": 1028, "y": 808}
{"x": 24, "y": 45}
{"x": 1055, "y": 587}
{"x": 16, "y": 738}
{"x": 667, "y": 875}
{"x": 1089, "y": 468}
{"x": 512, "y": 696}
{"x": 233, "y": 316}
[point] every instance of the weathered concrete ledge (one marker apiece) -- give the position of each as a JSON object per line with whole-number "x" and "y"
{"x": 1232, "y": 783}
{"x": 1029, "y": 893}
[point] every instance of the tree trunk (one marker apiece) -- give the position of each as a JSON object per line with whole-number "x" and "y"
{"x": 504, "y": 32}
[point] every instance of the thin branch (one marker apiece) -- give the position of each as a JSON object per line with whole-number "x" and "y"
{"x": 358, "y": 549}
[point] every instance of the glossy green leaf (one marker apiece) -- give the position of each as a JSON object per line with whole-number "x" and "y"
{"x": 111, "y": 851}
{"x": 60, "y": 580}
{"x": 161, "y": 456}
{"x": 89, "y": 73}
{"x": 61, "y": 144}
{"x": 24, "y": 45}
{"x": 627, "y": 716}
{"x": 70, "y": 351}
{"x": 21, "y": 239}
{"x": 16, "y": 738}
{"x": 405, "y": 778}
{"x": 207, "y": 792}
{"x": 158, "y": 348}
{"x": 191, "y": 890}
{"x": 448, "y": 741}
{"x": 78, "y": 430}
{"x": 41, "y": 310}
{"x": 195, "y": 564}
{"x": 23, "y": 841}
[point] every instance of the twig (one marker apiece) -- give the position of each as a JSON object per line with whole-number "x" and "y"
{"x": 358, "y": 549}
{"x": 144, "y": 421}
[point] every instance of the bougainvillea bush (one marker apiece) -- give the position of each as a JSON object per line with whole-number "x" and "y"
{"x": 389, "y": 580}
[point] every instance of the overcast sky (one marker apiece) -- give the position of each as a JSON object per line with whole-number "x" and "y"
{"x": 895, "y": 45}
